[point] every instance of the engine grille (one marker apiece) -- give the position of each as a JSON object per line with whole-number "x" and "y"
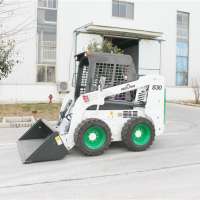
{"x": 142, "y": 95}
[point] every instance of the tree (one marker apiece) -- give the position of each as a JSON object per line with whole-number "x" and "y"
{"x": 106, "y": 47}
{"x": 7, "y": 57}
{"x": 8, "y": 11}
{"x": 196, "y": 90}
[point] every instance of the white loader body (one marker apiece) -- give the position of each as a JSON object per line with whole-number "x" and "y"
{"x": 109, "y": 103}
{"x": 115, "y": 119}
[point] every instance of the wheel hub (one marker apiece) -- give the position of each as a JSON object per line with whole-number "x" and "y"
{"x": 92, "y": 136}
{"x": 138, "y": 134}
{"x": 141, "y": 134}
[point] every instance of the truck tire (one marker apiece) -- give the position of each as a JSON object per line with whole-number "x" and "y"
{"x": 138, "y": 134}
{"x": 92, "y": 137}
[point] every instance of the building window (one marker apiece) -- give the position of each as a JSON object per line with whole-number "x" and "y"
{"x": 45, "y": 73}
{"x": 123, "y": 9}
{"x": 50, "y": 16}
{"x": 46, "y": 43}
{"x": 47, "y": 3}
{"x": 46, "y": 47}
{"x": 182, "y": 48}
{"x": 47, "y": 16}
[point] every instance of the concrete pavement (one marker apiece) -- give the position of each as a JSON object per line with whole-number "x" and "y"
{"x": 170, "y": 169}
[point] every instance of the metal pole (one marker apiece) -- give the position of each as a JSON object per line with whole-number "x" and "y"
{"x": 75, "y": 52}
{"x": 75, "y": 34}
{"x": 160, "y": 64}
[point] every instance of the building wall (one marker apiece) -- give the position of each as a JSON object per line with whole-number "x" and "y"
{"x": 151, "y": 16}
{"x": 21, "y": 85}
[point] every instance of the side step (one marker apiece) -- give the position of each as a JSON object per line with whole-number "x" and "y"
{"x": 41, "y": 143}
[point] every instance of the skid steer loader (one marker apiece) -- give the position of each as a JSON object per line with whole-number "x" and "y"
{"x": 109, "y": 104}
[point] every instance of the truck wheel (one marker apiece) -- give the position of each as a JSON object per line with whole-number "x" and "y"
{"x": 138, "y": 134}
{"x": 92, "y": 137}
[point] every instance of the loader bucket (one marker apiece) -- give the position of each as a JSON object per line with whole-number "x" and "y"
{"x": 40, "y": 143}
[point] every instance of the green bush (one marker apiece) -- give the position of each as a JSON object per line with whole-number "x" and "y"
{"x": 105, "y": 47}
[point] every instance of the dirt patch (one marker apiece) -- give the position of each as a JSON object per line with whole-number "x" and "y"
{"x": 40, "y": 110}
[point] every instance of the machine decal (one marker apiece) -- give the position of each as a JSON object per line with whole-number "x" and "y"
{"x": 157, "y": 87}
{"x": 120, "y": 114}
{"x": 58, "y": 140}
{"x": 128, "y": 86}
{"x": 111, "y": 114}
{"x": 129, "y": 114}
{"x": 85, "y": 98}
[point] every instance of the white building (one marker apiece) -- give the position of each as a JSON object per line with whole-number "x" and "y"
{"x": 162, "y": 37}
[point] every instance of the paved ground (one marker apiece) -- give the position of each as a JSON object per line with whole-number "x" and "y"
{"x": 168, "y": 170}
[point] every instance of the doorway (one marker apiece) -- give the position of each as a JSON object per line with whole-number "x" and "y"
{"x": 129, "y": 46}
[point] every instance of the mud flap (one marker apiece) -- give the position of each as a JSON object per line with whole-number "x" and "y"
{"x": 41, "y": 143}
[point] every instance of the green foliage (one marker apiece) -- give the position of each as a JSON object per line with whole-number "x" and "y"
{"x": 7, "y": 57}
{"x": 106, "y": 47}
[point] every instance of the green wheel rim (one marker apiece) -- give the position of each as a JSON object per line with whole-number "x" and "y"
{"x": 94, "y": 138}
{"x": 141, "y": 134}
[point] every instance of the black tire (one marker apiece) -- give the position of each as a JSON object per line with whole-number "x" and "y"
{"x": 127, "y": 132}
{"x": 81, "y": 130}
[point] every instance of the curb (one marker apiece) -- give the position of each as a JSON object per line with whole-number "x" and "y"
{"x": 20, "y": 122}
{"x": 4, "y": 125}
{"x": 186, "y": 104}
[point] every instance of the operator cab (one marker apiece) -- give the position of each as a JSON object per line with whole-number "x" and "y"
{"x": 116, "y": 68}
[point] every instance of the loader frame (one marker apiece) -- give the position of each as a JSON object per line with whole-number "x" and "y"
{"x": 153, "y": 108}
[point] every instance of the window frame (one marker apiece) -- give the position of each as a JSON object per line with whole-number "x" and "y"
{"x": 47, "y": 5}
{"x": 46, "y": 66}
{"x": 125, "y": 3}
{"x": 185, "y": 41}
{"x": 41, "y": 48}
{"x": 44, "y": 47}
{"x": 43, "y": 20}
{"x": 50, "y": 22}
